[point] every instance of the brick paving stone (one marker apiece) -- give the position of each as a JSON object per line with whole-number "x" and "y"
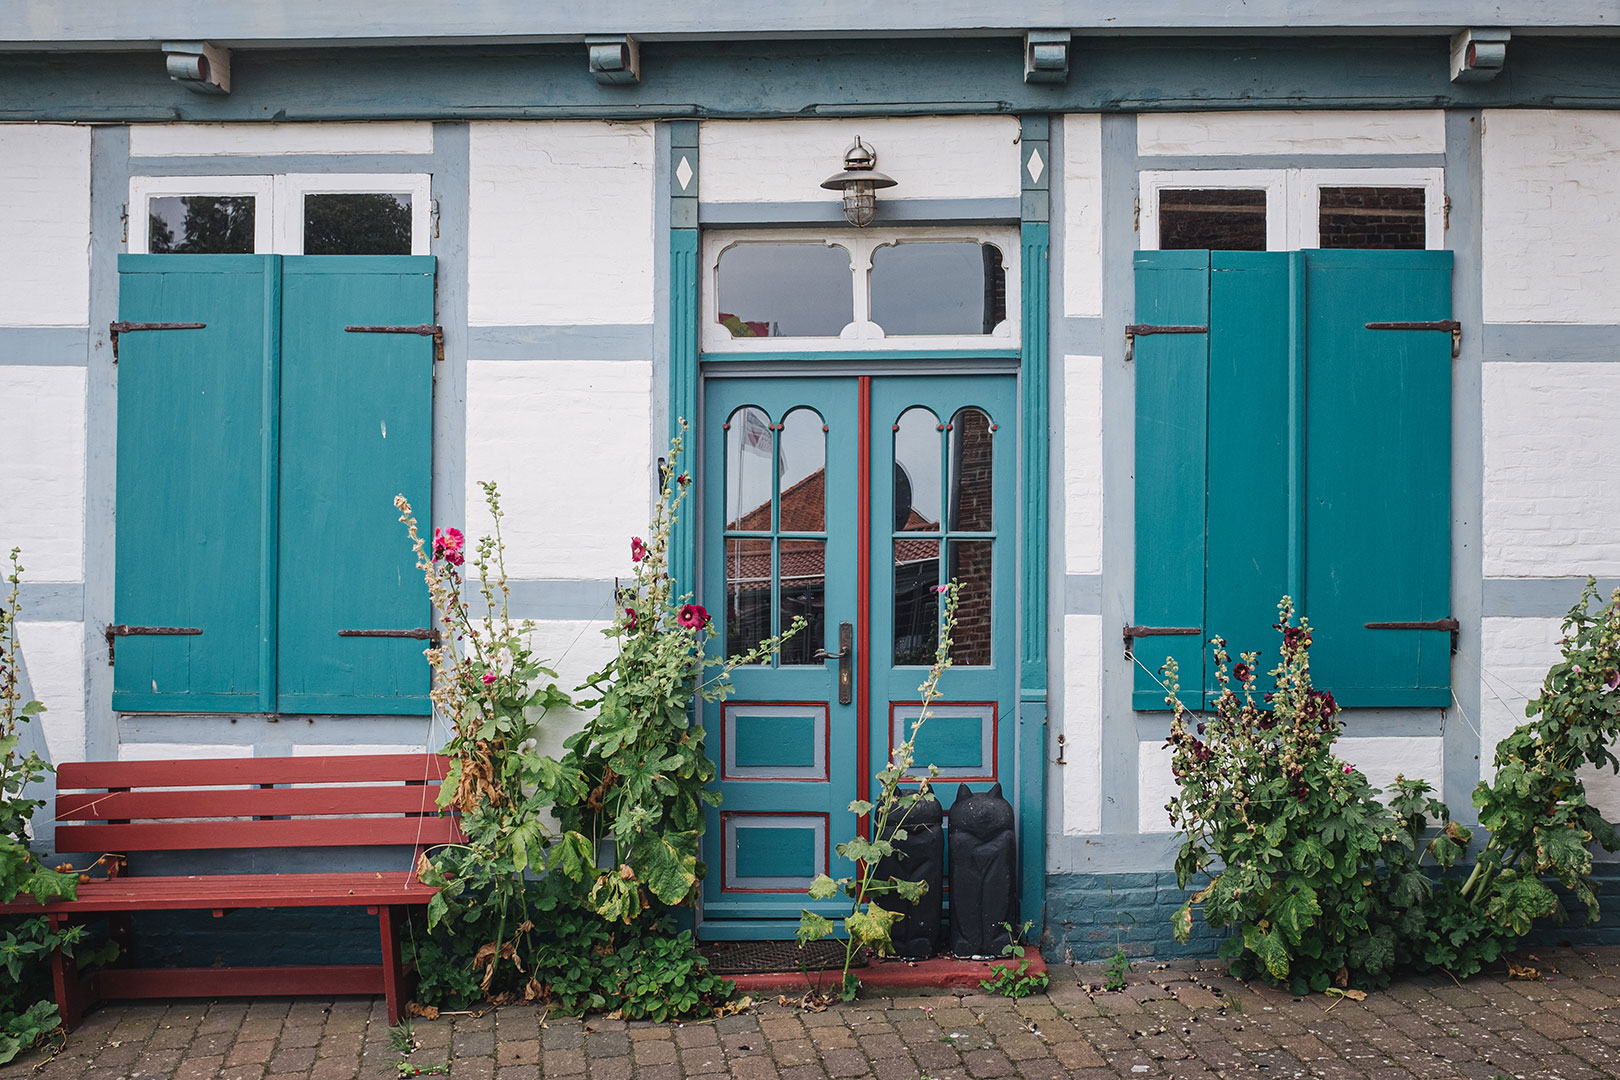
{"x": 570, "y": 1062}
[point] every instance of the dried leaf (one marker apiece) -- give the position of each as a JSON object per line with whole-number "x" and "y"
{"x": 1515, "y": 971}
{"x": 426, "y": 1012}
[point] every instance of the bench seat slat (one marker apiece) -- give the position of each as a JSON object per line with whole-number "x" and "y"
{"x": 218, "y": 772}
{"x": 247, "y": 802}
{"x": 202, "y": 892}
{"x": 297, "y": 833}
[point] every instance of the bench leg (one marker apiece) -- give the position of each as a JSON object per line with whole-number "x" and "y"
{"x": 395, "y": 991}
{"x": 65, "y": 982}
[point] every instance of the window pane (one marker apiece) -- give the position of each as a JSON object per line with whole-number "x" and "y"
{"x": 802, "y": 460}
{"x": 200, "y": 224}
{"x": 1223, "y": 219}
{"x": 357, "y": 224}
{"x": 1382, "y": 218}
{"x": 804, "y": 592}
{"x": 785, "y": 290}
{"x": 748, "y": 471}
{"x": 916, "y": 471}
{"x": 972, "y": 472}
{"x": 971, "y": 564}
{"x": 938, "y": 288}
{"x": 748, "y": 594}
{"x": 916, "y": 601}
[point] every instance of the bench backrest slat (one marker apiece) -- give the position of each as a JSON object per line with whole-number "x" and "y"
{"x": 247, "y": 802}
{"x": 295, "y": 832}
{"x": 222, "y": 772}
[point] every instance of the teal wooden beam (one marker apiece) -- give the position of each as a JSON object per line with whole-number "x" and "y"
{"x": 683, "y": 334}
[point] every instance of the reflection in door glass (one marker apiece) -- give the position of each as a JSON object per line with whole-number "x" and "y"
{"x": 784, "y": 290}
{"x": 971, "y": 565}
{"x": 357, "y": 224}
{"x": 200, "y": 225}
{"x": 803, "y": 592}
{"x": 748, "y": 471}
{"x": 916, "y": 600}
{"x": 802, "y": 461}
{"x": 971, "y": 463}
{"x": 748, "y": 593}
{"x": 934, "y": 287}
{"x": 1222, "y": 219}
{"x": 916, "y": 471}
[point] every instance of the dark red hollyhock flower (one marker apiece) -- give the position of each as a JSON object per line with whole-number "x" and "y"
{"x": 693, "y": 617}
{"x": 1242, "y": 671}
{"x": 1200, "y": 729}
{"x": 638, "y": 549}
{"x": 629, "y": 618}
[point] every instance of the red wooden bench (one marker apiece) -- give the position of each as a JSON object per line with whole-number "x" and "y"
{"x": 292, "y": 803}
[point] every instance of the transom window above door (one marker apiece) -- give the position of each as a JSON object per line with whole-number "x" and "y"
{"x": 290, "y": 214}
{"x": 880, "y": 289}
{"x": 1289, "y": 209}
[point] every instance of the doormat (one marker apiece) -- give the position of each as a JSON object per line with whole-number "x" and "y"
{"x": 762, "y": 957}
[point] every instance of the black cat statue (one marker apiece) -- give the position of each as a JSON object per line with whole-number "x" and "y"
{"x": 919, "y": 857}
{"x": 983, "y": 870}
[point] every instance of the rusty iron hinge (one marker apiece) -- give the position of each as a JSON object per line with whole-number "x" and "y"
{"x": 1136, "y": 330}
{"x": 1433, "y": 624}
{"x": 1440, "y": 324}
{"x": 119, "y": 630}
{"x": 420, "y": 633}
{"x": 432, "y": 330}
{"x": 1131, "y": 633}
{"x": 116, "y": 328}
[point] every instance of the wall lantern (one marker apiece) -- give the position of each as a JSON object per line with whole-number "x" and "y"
{"x": 859, "y": 182}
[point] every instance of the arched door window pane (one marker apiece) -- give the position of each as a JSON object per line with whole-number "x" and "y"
{"x": 972, "y": 465}
{"x": 917, "y": 481}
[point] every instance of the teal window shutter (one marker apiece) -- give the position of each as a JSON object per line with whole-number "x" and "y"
{"x": 1378, "y": 476}
{"x": 194, "y": 446}
{"x": 1172, "y": 398}
{"x": 356, "y": 429}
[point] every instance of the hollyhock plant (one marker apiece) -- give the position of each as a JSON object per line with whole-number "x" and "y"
{"x": 638, "y": 549}
{"x": 692, "y": 617}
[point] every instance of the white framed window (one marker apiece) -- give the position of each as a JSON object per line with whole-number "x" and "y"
{"x": 289, "y": 214}
{"x": 1286, "y": 209}
{"x": 768, "y": 290}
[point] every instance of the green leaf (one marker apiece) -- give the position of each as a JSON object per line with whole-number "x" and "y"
{"x": 1181, "y": 921}
{"x": 859, "y": 807}
{"x": 667, "y": 864}
{"x": 1269, "y": 948}
{"x": 813, "y": 927}
{"x": 823, "y": 888}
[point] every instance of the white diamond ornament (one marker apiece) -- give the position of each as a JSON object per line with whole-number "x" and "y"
{"x": 1036, "y": 166}
{"x": 683, "y": 172}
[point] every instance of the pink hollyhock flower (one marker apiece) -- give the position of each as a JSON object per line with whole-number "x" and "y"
{"x": 629, "y": 618}
{"x": 942, "y": 589}
{"x": 693, "y": 617}
{"x": 489, "y": 677}
{"x": 1613, "y": 680}
{"x": 638, "y": 549}
{"x": 1349, "y": 768}
{"x": 448, "y": 544}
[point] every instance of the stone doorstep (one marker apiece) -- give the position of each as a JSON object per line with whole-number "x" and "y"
{"x": 941, "y": 973}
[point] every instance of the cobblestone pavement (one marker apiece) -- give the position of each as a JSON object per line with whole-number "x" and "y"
{"x": 1176, "y": 1020}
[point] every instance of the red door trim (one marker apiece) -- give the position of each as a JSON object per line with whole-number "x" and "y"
{"x": 863, "y": 590}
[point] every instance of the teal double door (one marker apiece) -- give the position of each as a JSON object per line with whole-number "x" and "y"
{"x": 847, "y": 501}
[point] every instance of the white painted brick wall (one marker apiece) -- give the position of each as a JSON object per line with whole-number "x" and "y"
{"x": 1083, "y": 464}
{"x": 1082, "y": 215}
{"x": 1291, "y": 132}
{"x": 1552, "y": 470}
{"x": 53, "y": 653}
{"x": 1551, "y": 201}
{"x": 42, "y": 440}
{"x": 1155, "y": 787}
{"x": 167, "y": 751}
{"x": 1081, "y": 724}
{"x": 45, "y": 232}
{"x": 938, "y": 157}
{"x": 567, "y": 443}
{"x": 267, "y": 140}
{"x": 561, "y": 224}
{"x": 574, "y": 649}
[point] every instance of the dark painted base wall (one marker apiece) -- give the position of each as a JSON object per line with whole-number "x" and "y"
{"x": 1088, "y": 916}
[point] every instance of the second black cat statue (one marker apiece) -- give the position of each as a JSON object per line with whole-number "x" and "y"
{"x": 983, "y": 870}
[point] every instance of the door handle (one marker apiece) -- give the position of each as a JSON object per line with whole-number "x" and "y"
{"x": 846, "y": 662}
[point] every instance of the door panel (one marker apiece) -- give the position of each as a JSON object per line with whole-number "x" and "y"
{"x": 911, "y": 482}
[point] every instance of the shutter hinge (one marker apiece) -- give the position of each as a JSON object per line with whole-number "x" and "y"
{"x": 420, "y": 633}
{"x": 432, "y": 330}
{"x": 1131, "y": 633}
{"x": 1440, "y": 324}
{"x": 116, "y": 328}
{"x": 1446, "y": 212}
{"x": 1136, "y": 330}
{"x": 1434, "y": 624}
{"x": 119, "y": 630}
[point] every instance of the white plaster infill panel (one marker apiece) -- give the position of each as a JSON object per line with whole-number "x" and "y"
{"x": 53, "y": 653}
{"x": 567, "y": 443}
{"x": 1551, "y": 203}
{"x": 560, "y": 223}
{"x": 1083, "y": 464}
{"x": 1082, "y": 215}
{"x": 1381, "y": 758}
{"x": 45, "y": 188}
{"x": 1155, "y": 787}
{"x": 930, "y": 157}
{"x": 575, "y": 650}
{"x": 1290, "y": 132}
{"x": 42, "y": 469}
{"x": 167, "y": 751}
{"x": 1552, "y": 470}
{"x": 1081, "y": 778}
{"x": 274, "y": 140}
